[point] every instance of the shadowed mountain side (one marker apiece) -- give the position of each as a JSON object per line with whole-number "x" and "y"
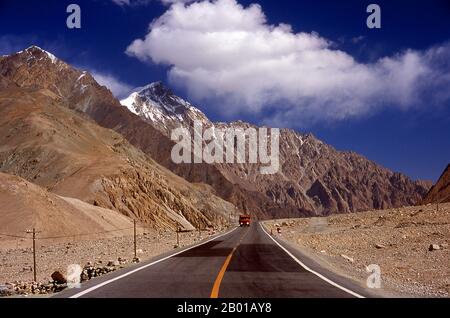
{"x": 440, "y": 192}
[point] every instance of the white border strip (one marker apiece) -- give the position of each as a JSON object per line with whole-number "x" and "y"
{"x": 84, "y": 292}
{"x": 310, "y": 270}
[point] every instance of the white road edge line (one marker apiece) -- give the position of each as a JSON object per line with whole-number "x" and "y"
{"x": 309, "y": 269}
{"x": 84, "y": 292}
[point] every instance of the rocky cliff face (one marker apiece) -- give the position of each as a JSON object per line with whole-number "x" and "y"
{"x": 315, "y": 179}
{"x": 440, "y": 192}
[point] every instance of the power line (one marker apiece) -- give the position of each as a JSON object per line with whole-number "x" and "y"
{"x": 83, "y": 234}
{"x": 65, "y": 236}
{"x": 17, "y": 236}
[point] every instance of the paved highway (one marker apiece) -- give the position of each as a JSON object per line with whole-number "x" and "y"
{"x": 243, "y": 263}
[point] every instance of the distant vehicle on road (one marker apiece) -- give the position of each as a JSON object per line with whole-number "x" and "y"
{"x": 244, "y": 220}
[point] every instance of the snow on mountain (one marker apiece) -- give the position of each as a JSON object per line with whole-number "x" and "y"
{"x": 157, "y": 104}
{"x": 31, "y": 51}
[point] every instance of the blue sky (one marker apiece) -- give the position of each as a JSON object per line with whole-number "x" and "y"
{"x": 400, "y": 117}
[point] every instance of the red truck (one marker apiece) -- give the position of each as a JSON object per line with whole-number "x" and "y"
{"x": 244, "y": 220}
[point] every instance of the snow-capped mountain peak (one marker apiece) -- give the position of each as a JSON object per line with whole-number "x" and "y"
{"x": 35, "y": 51}
{"x": 129, "y": 101}
{"x": 156, "y": 88}
{"x": 157, "y": 103}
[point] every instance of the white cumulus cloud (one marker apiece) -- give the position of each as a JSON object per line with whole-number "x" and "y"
{"x": 227, "y": 53}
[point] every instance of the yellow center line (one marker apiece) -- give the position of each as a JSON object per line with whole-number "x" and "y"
{"x": 216, "y": 286}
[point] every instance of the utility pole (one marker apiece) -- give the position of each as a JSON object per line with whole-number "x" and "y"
{"x": 134, "y": 230}
{"x": 34, "y": 253}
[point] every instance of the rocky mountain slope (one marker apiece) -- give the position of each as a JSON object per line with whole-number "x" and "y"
{"x": 440, "y": 192}
{"x": 79, "y": 91}
{"x": 315, "y": 178}
{"x": 44, "y": 141}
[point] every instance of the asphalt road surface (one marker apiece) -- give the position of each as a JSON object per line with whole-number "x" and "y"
{"x": 244, "y": 263}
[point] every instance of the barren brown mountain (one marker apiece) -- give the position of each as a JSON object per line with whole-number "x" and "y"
{"x": 68, "y": 154}
{"x": 440, "y": 192}
{"x": 315, "y": 179}
{"x": 35, "y": 67}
